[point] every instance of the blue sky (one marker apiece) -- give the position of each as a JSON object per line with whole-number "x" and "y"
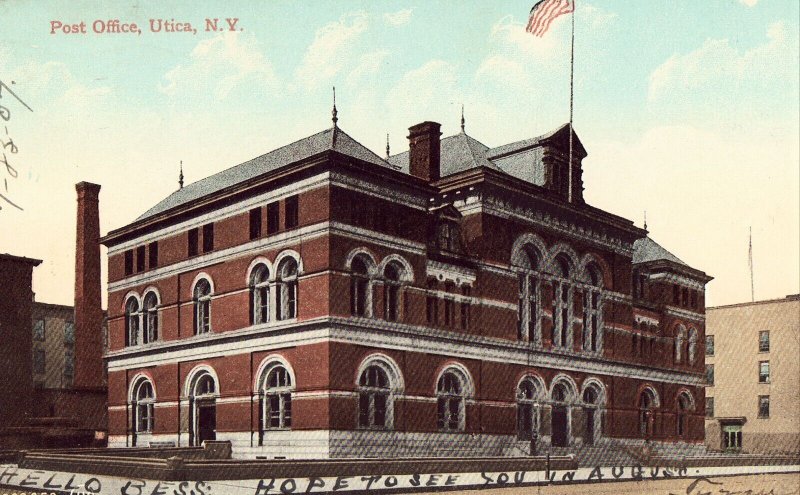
{"x": 688, "y": 109}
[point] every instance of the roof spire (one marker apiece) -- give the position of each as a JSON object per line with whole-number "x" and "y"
{"x": 645, "y": 219}
{"x": 180, "y": 177}
{"x": 462, "y": 118}
{"x": 387, "y": 145}
{"x": 334, "y": 113}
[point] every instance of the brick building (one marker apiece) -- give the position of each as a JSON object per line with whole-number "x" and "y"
{"x": 323, "y": 301}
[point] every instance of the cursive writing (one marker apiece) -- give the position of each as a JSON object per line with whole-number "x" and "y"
{"x": 707, "y": 486}
{"x": 8, "y": 145}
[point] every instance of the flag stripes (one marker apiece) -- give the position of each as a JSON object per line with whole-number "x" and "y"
{"x": 544, "y": 12}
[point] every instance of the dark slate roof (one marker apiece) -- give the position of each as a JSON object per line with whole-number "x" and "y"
{"x": 285, "y": 155}
{"x": 646, "y": 249}
{"x": 511, "y": 148}
{"x": 458, "y": 153}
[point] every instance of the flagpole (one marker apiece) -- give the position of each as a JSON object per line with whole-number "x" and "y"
{"x": 571, "y": 97}
{"x": 750, "y": 260}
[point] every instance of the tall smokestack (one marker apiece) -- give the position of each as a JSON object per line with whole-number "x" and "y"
{"x": 88, "y": 310}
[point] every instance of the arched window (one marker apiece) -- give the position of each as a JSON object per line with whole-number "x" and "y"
{"x": 450, "y": 398}
{"x": 592, "y": 310}
{"x": 132, "y": 321}
{"x": 680, "y": 339}
{"x": 449, "y": 236}
{"x": 259, "y": 294}
{"x": 359, "y": 287}
{"x": 205, "y": 386}
{"x": 528, "y": 306}
{"x": 144, "y": 399}
{"x": 648, "y": 402}
{"x": 287, "y": 289}
{"x": 150, "y": 333}
{"x": 528, "y": 396}
{"x": 391, "y": 290}
{"x": 684, "y": 405}
{"x": 373, "y": 398}
{"x": 202, "y": 307}
{"x": 277, "y": 410}
{"x": 562, "y": 303}
{"x": 692, "y": 353}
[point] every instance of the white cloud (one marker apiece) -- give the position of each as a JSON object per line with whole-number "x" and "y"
{"x": 223, "y": 62}
{"x": 749, "y": 3}
{"x": 398, "y": 18}
{"x": 331, "y": 50}
{"x": 719, "y": 68}
{"x": 370, "y": 63}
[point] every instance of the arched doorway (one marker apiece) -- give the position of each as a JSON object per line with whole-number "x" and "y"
{"x": 203, "y": 404}
{"x": 684, "y": 406}
{"x": 591, "y": 414}
{"x": 560, "y": 398}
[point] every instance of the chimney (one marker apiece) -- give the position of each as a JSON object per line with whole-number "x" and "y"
{"x": 88, "y": 310}
{"x": 424, "y": 150}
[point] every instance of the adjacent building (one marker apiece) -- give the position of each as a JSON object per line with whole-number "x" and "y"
{"x": 753, "y": 373}
{"x": 453, "y": 300}
{"x": 53, "y": 345}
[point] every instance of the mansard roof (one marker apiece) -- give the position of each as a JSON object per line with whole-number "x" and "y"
{"x": 646, "y": 250}
{"x": 333, "y": 139}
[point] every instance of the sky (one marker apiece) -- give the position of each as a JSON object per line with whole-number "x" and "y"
{"x": 689, "y": 110}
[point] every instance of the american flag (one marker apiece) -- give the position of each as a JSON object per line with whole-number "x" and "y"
{"x": 543, "y": 13}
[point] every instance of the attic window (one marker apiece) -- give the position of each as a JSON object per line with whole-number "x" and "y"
{"x": 449, "y": 236}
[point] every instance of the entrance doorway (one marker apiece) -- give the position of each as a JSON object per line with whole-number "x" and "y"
{"x": 206, "y": 421}
{"x": 559, "y": 424}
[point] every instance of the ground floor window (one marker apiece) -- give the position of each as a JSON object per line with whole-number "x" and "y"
{"x": 732, "y": 437}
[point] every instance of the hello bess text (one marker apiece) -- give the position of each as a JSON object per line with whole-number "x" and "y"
{"x": 117, "y": 26}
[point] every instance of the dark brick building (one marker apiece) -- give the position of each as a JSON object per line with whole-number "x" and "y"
{"x": 322, "y": 301}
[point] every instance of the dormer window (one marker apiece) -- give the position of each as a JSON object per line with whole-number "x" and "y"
{"x": 449, "y": 236}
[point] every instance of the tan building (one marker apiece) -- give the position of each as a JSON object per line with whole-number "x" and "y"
{"x": 753, "y": 370}
{"x": 53, "y": 345}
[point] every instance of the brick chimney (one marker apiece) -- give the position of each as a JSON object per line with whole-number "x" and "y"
{"x": 424, "y": 151}
{"x": 88, "y": 310}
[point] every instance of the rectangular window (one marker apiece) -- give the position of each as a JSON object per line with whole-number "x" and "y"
{"x": 140, "y": 259}
{"x": 709, "y": 407}
{"x": 38, "y": 330}
{"x": 69, "y": 333}
{"x": 192, "y": 245}
{"x": 710, "y": 374}
{"x": 432, "y": 304}
{"x": 676, "y": 295}
{"x": 763, "y": 372}
{"x": 128, "y": 262}
{"x": 153, "y": 254}
{"x": 763, "y": 406}
{"x": 291, "y": 212}
{"x": 448, "y": 312}
{"x": 465, "y": 309}
{"x": 273, "y": 218}
{"x": 709, "y": 345}
{"x": 69, "y": 361}
{"x": 255, "y": 223}
{"x": 763, "y": 341}
{"x": 38, "y": 361}
{"x": 208, "y": 237}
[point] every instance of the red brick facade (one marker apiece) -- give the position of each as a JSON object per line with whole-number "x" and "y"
{"x": 334, "y": 305}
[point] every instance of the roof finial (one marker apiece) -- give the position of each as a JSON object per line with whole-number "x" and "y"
{"x": 334, "y": 112}
{"x": 462, "y": 118}
{"x": 645, "y": 219}
{"x": 180, "y": 177}
{"x": 387, "y": 145}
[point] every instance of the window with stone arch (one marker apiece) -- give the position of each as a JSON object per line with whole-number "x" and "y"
{"x": 562, "y": 302}
{"x": 287, "y": 289}
{"x": 684, "y": 405}
{"x": 529, "y": 397}
{"x": 392, "y": 281}
{"x": 259, "y": 294}
{"x": 150, "y": 317}
{"x": 692, "y": 351}
{"x": 648, "y": 404}
{"x": 680, "y": 340}
{"x": 593, "y": 309}
{"x": 143, "y": 406}
{"x": 202, "y": 307}
{"x": 360, "y": 297}
{"x": 451, "y": 395}
{"x": 132, "y": 316}
{"x": 374, "y": 398}
{"x": 277, "y": 387}
{"x": 528, "y": 309}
